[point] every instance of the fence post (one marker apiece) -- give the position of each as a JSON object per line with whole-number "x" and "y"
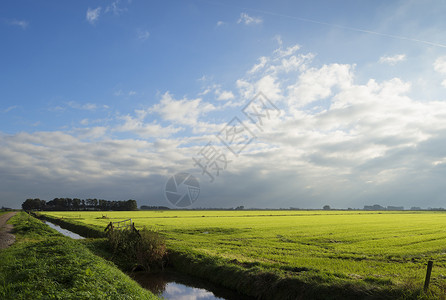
{"x": 109, "y": 226}
{"x": 428, "y": 275}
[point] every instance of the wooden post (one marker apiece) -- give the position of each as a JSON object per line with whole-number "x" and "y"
{"x": 428, "y": 275}
{"x": 109, "y": 227}
{"x": 135, "y": 230}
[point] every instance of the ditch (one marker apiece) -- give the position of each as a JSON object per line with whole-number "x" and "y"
{"x": 171, "y": 285}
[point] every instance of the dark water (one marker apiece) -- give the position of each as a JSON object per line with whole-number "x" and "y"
{"x": 170, "y": 285}
{"x": 64, "y": 231}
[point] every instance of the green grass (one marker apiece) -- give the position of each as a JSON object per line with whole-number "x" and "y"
{"x": 42, "y": 264}
{"x": 370, "y": 250}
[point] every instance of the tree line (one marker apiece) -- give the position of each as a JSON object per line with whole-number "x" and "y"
{"x": 69, "y": 204}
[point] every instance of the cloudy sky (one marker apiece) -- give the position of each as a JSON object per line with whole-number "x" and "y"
{"x": 266, "y": 103}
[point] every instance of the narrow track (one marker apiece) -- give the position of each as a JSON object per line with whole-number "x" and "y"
{"x": 6, "y": 237}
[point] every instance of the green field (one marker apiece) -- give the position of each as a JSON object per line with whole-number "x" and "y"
{"x": 377, "y": 248}
{"x": 43, "y": 264}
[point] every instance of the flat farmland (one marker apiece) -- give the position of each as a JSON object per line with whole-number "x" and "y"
{"x": 383, "y": 248}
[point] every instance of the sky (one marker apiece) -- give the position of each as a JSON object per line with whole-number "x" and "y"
{"x": 265, "y": 104}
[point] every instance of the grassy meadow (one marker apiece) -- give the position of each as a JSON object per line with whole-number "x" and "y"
{"x": 43, "y": 264}
{"x": 383, "y": 249}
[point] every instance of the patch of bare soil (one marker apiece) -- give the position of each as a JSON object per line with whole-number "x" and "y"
{"x": 6, "y": 237}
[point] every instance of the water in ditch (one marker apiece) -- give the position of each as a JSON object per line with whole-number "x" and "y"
{"x": 64, "y": 231}
{"x": 171, "y": 285}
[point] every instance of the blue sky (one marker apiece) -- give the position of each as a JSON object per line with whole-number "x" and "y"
{"x": 108, "y": 99}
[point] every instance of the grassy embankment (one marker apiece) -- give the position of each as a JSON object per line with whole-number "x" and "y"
{"x": 42, "y": 264}
{"x": 314, "y": 254}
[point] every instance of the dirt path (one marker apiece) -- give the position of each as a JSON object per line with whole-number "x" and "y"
{"x": 6, "y": 238}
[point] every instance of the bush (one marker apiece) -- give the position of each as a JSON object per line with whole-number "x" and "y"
{"x": 139, "y": 249}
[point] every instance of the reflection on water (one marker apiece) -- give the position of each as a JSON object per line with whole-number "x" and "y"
{"x": 171, "y": 285}
{"x": 64, "y": 231}
{"x": 183, "y": 292}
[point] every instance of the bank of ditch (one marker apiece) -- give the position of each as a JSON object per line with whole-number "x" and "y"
{"x": 43, "y": 264}
{"x": 256, "y": 280}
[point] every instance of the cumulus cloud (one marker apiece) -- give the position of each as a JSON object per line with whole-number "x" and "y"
{"x": 316, "y": 84}
{"x": 92, "y": 15}
{"x": 336, "y": 141}
{"x": 184, "y": 111}
{"x": 392, "y": 60}
{"x": 440, "y": 67}
{"x": 339, "y": 131}
{"x": 137, "y": 125}
{"x": 225, "y": 95}
{"x": 248, "y": 20}
{"x": 262, "y": 62}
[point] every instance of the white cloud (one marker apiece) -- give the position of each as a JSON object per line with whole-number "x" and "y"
{"x": 114, "y": 8}
{"x": 93, "y": 14}
{"x": 57, "y": 108}
{"x": 86, "y": 106}
{"x": 288, "y": 51}
{"x": 220, "y": 23}
{"x": 248, "y": 20}
{"x": 89, "y": 106}
{"x": 184, "y": 111}
{"x": 316, "y": 84}
{"x": 224, "y": 95}
{"x": 262, "y": 62}
{"x": 10, "y": 108}
{"x": 20, "y": 23}
{"x": 440, "y": 65}
{"x": 91, "y": 133}
{"x": 392, "y": 60}
{"x": 337, "y": 141}
{"x": 278, "y": 39}
{"x": 138, "y": 126}
{"x": 143, "y": 34}
{"x": 269, "y": 86}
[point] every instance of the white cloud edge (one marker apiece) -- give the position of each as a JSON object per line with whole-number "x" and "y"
{"x": 392, "y": 60}
{"x": 249, "y": 20}
{"x": 92, "y": 15}
{"x": 20, "y": 23}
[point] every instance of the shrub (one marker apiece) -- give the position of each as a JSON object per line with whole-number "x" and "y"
{"x": 144, "y": 248}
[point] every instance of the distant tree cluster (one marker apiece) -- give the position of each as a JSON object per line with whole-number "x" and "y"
{"x": 379, "y": 207}
{"x": 146, "y": 207}
{"x": 69, "y": 204}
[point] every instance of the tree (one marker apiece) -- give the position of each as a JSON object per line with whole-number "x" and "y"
{"x": 76, "y": 203}
{"x": 326, "y": 207}
{"x": 31, "y": 204}
{"x": 131, "y": 205}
